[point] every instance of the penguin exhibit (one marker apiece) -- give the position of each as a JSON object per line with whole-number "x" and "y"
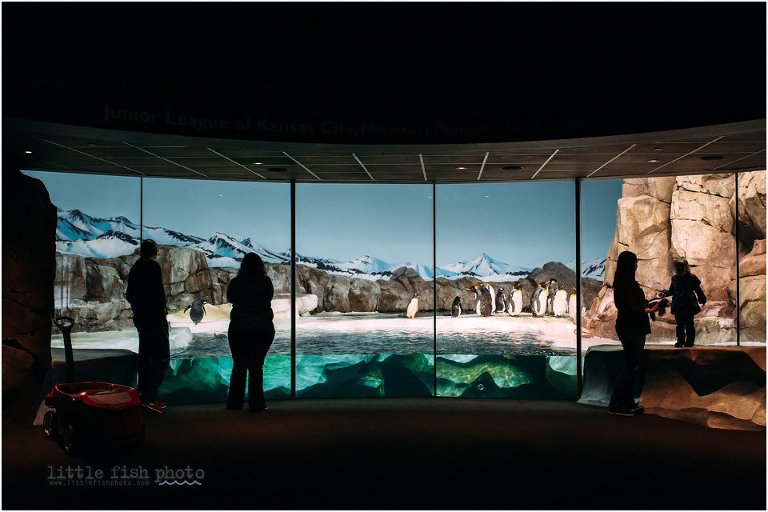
{"x": 375, "y": 316}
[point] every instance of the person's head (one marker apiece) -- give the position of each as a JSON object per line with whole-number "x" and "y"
{"x": 626, "y": 266}
{"x": 252, "y": 265}
{"x": 148, "y": 249}
{"x": 682, "y": 268}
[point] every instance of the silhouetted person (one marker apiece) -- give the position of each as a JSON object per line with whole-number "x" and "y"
{"x": 632, "y": 326}
{"x": 147, "y": 297}
{"x": 686, "y": 293}
{"x": 251, "y": 332}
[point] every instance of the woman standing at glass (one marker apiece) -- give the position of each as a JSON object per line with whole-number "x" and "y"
{"x": 251, "y": 332}
{"x": 632, "y": 326}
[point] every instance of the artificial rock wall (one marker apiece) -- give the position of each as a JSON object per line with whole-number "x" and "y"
{"x": 692, "y": 217}
{"x": 29, "y": 231}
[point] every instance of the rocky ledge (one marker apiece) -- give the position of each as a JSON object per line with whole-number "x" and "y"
{"x": 718, "y": 387}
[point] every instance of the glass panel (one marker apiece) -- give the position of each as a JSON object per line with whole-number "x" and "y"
{"x": 204, "y": 228}
{"x": 506, "y": 254}
{"x": 96, "y": 235}
{"x": 663, "y": 220}
{"x": 364, "y": 278}
{"x": 751, "y": 230}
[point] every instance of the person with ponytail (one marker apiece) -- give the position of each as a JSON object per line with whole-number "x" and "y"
{"x": 251, "y": 332}
{"x": 632, "y": 326}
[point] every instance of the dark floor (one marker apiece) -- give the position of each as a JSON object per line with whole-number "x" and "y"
{"x": 408, "y": 453}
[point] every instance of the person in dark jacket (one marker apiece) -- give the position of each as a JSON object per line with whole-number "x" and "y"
{"x": 686, "y": 293}
{"x": 632, "y": 326}
{"x": 251, "y": 332}
{"x": 146, "y": 295}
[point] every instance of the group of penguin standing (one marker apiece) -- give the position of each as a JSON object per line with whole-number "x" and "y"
{"x": 555, "y": 302}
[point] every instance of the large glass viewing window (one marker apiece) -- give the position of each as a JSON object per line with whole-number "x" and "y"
{"x": 506, "y": 286}
{"x": 499, "y": 320}
{"x": 98, "y": 229}
{"x": 364, "y": 290}
{"x": 662, "y": 220}
{"x": 204, "y": 229}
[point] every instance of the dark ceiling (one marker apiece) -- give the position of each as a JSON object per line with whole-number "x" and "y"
{"x": 493, "y": 72}
{"x": 722, "y": 148}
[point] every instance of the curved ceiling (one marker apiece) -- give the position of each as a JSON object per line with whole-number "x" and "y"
{"x": 54, "y": 147}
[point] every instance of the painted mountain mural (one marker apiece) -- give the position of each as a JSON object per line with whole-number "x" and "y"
{"x": 93, "y": 237}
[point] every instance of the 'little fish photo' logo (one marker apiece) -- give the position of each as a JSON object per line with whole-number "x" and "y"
{"x": 180, "y": 476}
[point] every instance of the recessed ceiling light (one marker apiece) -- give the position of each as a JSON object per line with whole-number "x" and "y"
{"x": 512, "y": 168}
{"x": 258, "y": 163}
{"x": 711, "y": 157}
{"x": 657, "y": 149}
{"x": 461, "y": 168}
{"x": 28, "y": 152}
{"x": 654, "y": 161}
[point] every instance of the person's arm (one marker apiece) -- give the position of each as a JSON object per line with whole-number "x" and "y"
{"x": 157, "y": 279}
{"x": 130, "y": 291}
{"x": 270, "y": 289}
{"x": 698, "y": 291}
{"x": 232, "y": 291}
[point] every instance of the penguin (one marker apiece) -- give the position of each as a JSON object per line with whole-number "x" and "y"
{"x": 196, "y": 310}
{"x": 551, "y": 291}
{"x": 560, "y": 303}
{"x": 539, "y": 301}
{"x": 413, "y": 306}
{"x": 484, "y": 303}
{"x": 493, "y": 296}
{"x": 515, "y": 306}
{"x": 501, "y": 301}
{"x": 572, "y": 305}
{"x": 456, "y": 307}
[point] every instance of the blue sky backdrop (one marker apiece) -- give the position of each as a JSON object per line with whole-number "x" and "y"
{"x": 260, "y": 211}
{"x": 390, "y": 222}
{"x": 524, "y": 224}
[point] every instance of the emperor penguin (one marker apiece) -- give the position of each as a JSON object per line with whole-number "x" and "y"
{"x": 456, "y": 307}
{"x": 560, "y": 303}
{"x": 413, "y": 306}
{"x": 501, "y": 301}
{"x": 484, "y": 303}
{"x": 515, "y": 306}
{"x": 572, "y": 305}
{"x": 539, "y": 301}
{"x": 551, "y": 292}
{"x": 196, "y": 310}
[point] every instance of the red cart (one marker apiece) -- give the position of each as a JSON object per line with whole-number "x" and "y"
{"x": 91, "y": 414}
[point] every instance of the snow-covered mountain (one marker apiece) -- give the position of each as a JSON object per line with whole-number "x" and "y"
{"x": 88, "y": 236}
{"x": 594, "y": 269}
{"x": 485, "y": 266}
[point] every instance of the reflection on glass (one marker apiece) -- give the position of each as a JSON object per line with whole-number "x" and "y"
{"x": 365, "y": 292}
{"x": 204, "y": 228}
{"x": 505, "y": 255}
{"x": 751, "y": 249}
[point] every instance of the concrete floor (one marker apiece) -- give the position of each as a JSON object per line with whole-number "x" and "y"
{"x": 407, "y": 453}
